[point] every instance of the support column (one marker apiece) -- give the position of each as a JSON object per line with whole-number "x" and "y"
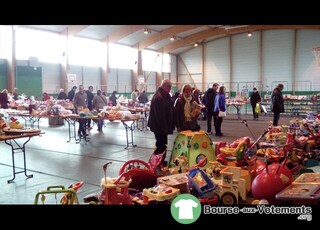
{"x": 104, "y": 79}
{"x": 11, "y": 64}
{"x": 159, "y": 79}
{"x": 138, "y": 71}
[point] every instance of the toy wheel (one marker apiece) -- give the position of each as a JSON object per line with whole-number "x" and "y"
{"x": 228, "y": 199}
{"x": 133, "y": 164}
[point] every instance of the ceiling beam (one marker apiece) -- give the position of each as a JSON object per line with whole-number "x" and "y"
{"x": 193, "y": 38}
{"x": 221, "y": 31}
{"x": 73, "y": 30}
{"x": 156, "y": 37}
{"x": 121, "y": 33}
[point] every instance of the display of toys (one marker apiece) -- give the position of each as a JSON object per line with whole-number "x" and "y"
{"x": 160, "y": 193}
{"x": 266, "y": 185}
{"x": 201, "y": 183}
{"x": 15, "y": 124}
{"x": 230, "y": 186}
{"x": 301, "y": 194}
{"x": 308, "y": 178}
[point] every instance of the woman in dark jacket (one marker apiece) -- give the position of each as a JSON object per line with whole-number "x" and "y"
{"x": 254, "y": 99}
{"x": 4, "y": 99}
{"x": 277, "y": 103}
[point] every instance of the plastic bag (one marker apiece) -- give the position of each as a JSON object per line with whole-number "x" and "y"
{"x": 222, "y": 114}
{"x": 257, "y": 108}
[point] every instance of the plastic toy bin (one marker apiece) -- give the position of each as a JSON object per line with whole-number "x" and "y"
{"x": 301, "y": 194}
{"x": 200, "y": 181}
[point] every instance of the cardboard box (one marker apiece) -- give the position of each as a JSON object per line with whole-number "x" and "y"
{"x": 179, "y": 181}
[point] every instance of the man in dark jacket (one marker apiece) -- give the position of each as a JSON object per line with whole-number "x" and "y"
{"x": 254, "y": 99}
{"x": 277, "y": 103}
{"x": 209, "y": 97}
{"x": 71, "y": 93}
{"x": 161, "y": 116}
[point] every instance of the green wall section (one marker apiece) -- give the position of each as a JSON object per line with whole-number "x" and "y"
{"x": 3, "y": 74}
{"x": 29, "y": 81}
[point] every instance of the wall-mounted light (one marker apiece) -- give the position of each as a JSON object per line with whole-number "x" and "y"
{"x": 172, "y": 38}
{"x": 196, "y": 44}
{"x": 250, "y": 34}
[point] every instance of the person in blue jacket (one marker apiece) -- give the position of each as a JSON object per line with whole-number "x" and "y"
{"x": 219, "y": 105}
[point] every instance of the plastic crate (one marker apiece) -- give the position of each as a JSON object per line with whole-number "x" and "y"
{"x": 205, "y": 191}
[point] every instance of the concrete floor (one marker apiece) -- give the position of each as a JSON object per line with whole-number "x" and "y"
{"x": 53, "y": 161}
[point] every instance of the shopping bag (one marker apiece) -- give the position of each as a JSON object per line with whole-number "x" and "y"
{"x": 257, "y": 108}
{"x": 222, "y": 114}
{"x": 263, "y": 109}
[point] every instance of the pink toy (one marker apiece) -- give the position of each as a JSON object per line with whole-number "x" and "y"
{"x": 115, "y": 190}
{"x": 142, "y": 174}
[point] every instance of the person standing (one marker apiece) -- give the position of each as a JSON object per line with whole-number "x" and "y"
{"x": 71, "y": 93}
{"x": 134, "y": 96}
{"x": 89, "y": 102}
{"x": 160, "y": 119}
{"x": 183, "y": 117}
{"x": 15, "y": 94}
{"x": 4, "y": 102}
{"x": 254, "y": 99}
{"x": 143, "y": 97}
{"x": 80, "y": 102}
{"x": 277, "y": 103}
{"x": 113, "y": 98}
{"x": 98, "y": 102}
{"x": 209, "y": 98}
{"x": 45, "y": 96}
{"x": 219, "y": 105}
{"x": 62, "y": 95}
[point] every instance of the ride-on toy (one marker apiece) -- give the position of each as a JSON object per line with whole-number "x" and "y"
{"x": 69, "y": 197}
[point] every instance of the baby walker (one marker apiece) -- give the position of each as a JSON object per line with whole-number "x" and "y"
{"x": 69, "y": 197}
{"x": 115, "y": 190}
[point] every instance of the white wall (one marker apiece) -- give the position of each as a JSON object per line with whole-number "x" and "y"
{"x": 308, "y": 72}
{"x": 245, "y": 61}
{"x": 217, "y": 64}
{"x": 277, "y": 51}
{"x": 119, "y": 80}
{"x": 173, "y": 69}
{"x": 192, "y": 60}
{"x": 50, "y": 78}
{"x": 279, "y": 61}
{"x": 86, "y": 76}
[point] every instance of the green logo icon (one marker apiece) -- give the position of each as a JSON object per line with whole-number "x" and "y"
{"x": 185, "y": 209}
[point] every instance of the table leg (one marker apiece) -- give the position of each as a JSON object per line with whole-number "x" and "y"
{"x": 129, "y": 128}
{"x": 14, "y": 151}
{"x": 72, "y": 133}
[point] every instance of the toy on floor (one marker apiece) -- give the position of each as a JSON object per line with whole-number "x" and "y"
{"x": 115, "y": 190}
{"x": 230, "y": 185}
{"x": 267, "y": 184}
{"x": 142, "y": 174}
{"x": 69, "y": 197}
{"x": 200, "y": 184}
{"x": 194, "y": 147}
{"x": 160, "y": 193}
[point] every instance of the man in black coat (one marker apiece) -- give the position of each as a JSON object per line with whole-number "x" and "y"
{"x": 209, "y": 97}
{"x": 160, "y": 120}
{"x": 277, "y": 103}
